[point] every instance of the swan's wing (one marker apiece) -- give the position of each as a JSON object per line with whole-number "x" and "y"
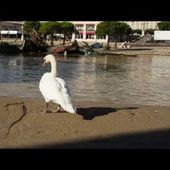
{"x": 64, "y": 90}
{"x": 55, "y": 90}
{"x": 66, "y": 96}
{"x": 51, "y": 89}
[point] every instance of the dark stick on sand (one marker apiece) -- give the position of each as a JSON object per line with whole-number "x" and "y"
{"x": 24, "y": 111}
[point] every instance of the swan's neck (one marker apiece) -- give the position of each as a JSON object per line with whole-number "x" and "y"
{"x": 53, "y": 68}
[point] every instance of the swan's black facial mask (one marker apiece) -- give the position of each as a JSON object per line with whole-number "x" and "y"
{"x": 44, "y": 62}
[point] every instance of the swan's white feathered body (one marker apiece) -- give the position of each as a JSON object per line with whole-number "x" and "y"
{"x": 54, "y": 89}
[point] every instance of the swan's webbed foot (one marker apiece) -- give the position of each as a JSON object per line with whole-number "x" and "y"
{"x": 58, "y": 109}
{"x": 47, "y": 110}
{"x": 51, "y": 110}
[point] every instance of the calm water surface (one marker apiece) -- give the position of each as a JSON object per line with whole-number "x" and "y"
{"x": 143, "y": 80}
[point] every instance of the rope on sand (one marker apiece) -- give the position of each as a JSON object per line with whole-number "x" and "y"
{"x": 24, "y": 112}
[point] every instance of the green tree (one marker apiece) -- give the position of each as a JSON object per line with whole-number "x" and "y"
{"x": 50, "y": 28}
{"x": 30, "y": 26}
{"x": 121, "y": 30}
{"x": 103, "y": 29}
{"x": 164, "y": 25}
{"x": 67, "y": 29}
{"x": 137, "y": 31}
{"x": 149, "y": 31}
{"x": 113, "y": 29}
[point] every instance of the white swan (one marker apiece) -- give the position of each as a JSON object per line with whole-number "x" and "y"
{"x": 54, "y": 89}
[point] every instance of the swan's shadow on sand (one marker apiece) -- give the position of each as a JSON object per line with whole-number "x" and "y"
{"x": 90, "y": 113}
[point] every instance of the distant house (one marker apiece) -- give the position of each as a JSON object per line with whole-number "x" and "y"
{"x": 86, "y": 29}
{"x": 11, "y": 25}
{"x": 142, "y": 25}
{"x": 11, "y": 28}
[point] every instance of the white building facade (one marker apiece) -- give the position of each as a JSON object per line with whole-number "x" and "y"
{"x": 142, "y": 25}
{"x": 86, "y": 29}
{"x": 11, "y": 25}
{"x": 11, "y": 28}
{"x": 87, "y": 32}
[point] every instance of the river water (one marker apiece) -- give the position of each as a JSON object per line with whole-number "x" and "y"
{"x": 142, "y": 80}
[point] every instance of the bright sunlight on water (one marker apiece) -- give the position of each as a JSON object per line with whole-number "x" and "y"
{"x": 143, "y": 80}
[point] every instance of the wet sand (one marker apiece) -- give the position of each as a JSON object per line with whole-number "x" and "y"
{"x": 97, "y": 125}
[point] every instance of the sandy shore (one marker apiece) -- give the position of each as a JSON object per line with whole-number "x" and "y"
{"x": 97, "y": 125}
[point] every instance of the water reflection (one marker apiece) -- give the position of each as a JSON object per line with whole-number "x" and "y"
{"x": 134, "y": 80}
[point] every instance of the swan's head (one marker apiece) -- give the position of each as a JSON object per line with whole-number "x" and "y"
{"x": 48, "y": 59}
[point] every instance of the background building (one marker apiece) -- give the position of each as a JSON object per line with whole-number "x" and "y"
{"x": 11, "y": 28}
{"x": 11, "y": 25}
{"x": 142, "y": 25}
{"x": 86, "y": 29}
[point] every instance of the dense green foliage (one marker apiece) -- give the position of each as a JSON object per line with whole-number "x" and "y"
{"x": 137, "y": 31}
{"x": 29, "y": 26}
{"x": 113, "y": 29}
{"x": 164, "y": 25}
{"x": 149, "y": 31}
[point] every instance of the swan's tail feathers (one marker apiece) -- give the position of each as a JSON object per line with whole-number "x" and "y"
{"x": 69, "y": 108}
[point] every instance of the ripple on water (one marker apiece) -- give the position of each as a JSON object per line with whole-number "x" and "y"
{"x": 126, "y": 80}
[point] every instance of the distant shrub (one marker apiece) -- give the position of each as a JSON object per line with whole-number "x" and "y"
{"x": 149, "y": 31}
{"x": 137, "y": 31}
